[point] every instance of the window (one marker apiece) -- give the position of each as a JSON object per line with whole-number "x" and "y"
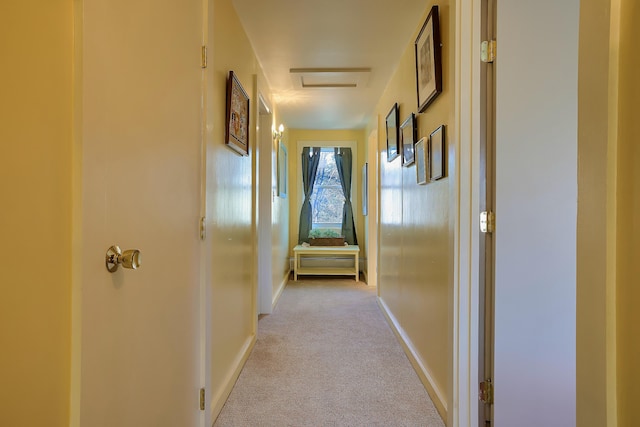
{"x": 327, "y": 200}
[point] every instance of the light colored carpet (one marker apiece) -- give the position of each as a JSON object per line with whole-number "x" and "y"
{"x": 326, "y": 357}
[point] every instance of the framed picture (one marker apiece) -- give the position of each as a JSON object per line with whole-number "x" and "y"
{"x": 365, "y": 189}
{"x": 408, "y": 137}
{"x": 421, "y": 161}
{"x": 393, "y": 143}
{"x": 237, "y": 128}
{"x": 283, "y": 163}
{"x": 436, "y": 154}
{"x": 428, "y": 61}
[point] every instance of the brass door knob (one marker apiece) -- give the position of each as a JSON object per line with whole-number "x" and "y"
{"x": 130, "y": 258}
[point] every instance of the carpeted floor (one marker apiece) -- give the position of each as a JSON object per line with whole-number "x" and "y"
{"x": 326, "y": 357}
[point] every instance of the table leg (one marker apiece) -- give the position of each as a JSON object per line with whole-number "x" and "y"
{"x": 357, "y": 261}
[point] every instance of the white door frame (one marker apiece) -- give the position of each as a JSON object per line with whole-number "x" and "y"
{"x": 265, "y": 195}
{"x": 466, "y": 244}
{"x": 205, "y": 246}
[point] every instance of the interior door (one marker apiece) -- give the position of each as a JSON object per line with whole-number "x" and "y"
{"x": 487, "y": 204}
{"x": 140, "y": 83}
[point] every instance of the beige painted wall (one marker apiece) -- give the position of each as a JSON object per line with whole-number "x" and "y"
{"x": 295, "y": 181}
{"x": 628, "y": 249}
{"x": 415, "y": 238}
{"x": 231, "y": 232}
{"x": 36, "y": 40}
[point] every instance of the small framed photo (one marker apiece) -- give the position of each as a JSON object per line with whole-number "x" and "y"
{"x": 282, "y": 170}
{"x": 408, "y": 137}
{"x": 428, "y": 61}
{"x": 237, "y": 128}
{"x": 365, "y": 189}
{"x": 436, "y": 154}
{"x": 393, "y": 142}
{"x": 421, "y": 161}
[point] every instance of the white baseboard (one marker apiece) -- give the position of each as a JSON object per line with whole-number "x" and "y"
{"x": 281, "y": 287}
{"x": 365, "y": 276}
{"x": 220, "y": 397}
{"x": 418, "y": 364}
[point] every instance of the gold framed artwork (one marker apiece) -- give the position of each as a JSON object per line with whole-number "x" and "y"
{"x": 237, "y": 128}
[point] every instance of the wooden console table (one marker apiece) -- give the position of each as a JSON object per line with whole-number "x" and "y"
{"x": 328, "y": 252}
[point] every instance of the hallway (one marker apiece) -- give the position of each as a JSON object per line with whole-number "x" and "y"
{"x": 326, "y": 356}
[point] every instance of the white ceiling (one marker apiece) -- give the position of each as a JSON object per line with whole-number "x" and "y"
{"x": 312, "y": 36}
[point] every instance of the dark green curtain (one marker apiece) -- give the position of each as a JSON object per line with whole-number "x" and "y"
{"x": 310, "y": 161}
{"x": 343, "y": 163}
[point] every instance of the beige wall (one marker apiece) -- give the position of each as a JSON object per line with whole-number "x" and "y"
{"x": 35, "y": 218}
{"x": 628, "y": 202}
{"x": 415, "y": 237}
{"x": 231, "y": 232}
{"x": 297, "y": 196}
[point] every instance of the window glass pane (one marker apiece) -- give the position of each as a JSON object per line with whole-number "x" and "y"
{"x": 327, "y": 199}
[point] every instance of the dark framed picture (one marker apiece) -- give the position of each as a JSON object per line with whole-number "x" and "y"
{"x": 421, "y": 161}
{"x": 436, "y": 154}
{"x": 393, "y": 141}
{"x": 237, "y": 128}
{"x": 408, "y": 137}
{"x": 428, "y": 61}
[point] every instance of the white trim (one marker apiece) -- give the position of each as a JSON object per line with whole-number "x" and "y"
{"x": 278, "y": 293}
{"x": 466, "y": 244}
{"x": 219, "y": 399}
{"x": 264, "y": 193}
{"x": 423, "y": 371}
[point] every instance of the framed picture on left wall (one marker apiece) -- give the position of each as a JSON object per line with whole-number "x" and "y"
{"x": 393, "y": 140}
{"x": 282, "y": 170}
{"x": 237, "y": 127}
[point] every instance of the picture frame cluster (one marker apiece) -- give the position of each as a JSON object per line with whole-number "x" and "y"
{"x": 427, "y": 153}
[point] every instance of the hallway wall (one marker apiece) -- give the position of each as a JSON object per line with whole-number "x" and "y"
{"x": 416, "y": 236}
{"x": 231, "y": 233}
{"x": 36, "y": 41}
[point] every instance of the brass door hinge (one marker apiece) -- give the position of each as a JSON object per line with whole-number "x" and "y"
{"x": 203, "y": 228}
{"x": 486, "y": 391}
{"x": 487, "y": 222}
{"x": 202, "y": 399}
{"x": 488, "y": 51}
{"x": 203, "y": 59}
